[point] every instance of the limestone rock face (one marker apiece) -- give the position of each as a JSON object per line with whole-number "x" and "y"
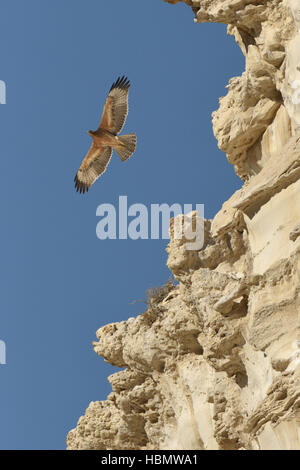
{"x": 214, "y": 363}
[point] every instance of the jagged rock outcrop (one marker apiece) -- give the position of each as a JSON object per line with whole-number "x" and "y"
{"x": 214, "y": 363}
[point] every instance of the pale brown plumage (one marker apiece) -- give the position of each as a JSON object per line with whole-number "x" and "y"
{"x": 105, "y": 138}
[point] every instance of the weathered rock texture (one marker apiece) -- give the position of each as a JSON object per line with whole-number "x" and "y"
{"x": 214, "y": 363}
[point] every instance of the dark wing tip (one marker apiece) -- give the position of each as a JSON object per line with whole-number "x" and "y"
{"x": 121, "y": 82}
{"x": 76, "y": 182}
{"x": 80, "y": 186}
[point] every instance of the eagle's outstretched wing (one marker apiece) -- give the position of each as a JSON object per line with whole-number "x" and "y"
{"x": 93, "y": 165}
{"x": 116, "y": 106}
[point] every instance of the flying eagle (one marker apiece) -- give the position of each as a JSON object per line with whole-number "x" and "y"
{"x": 105, "y": 138}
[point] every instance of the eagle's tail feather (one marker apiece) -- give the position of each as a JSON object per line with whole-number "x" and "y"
{"x": 127, "y": 147}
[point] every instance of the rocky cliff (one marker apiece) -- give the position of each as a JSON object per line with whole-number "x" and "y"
{"x": 214, "y": 363}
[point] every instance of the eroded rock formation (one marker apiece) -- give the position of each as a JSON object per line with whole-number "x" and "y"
{"x": 214, "y": 363}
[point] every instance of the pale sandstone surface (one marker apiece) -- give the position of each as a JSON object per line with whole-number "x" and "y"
{"x": 214, "y": 363}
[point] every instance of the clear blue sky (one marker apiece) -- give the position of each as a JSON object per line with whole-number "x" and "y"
{"x": 59, "y": 283}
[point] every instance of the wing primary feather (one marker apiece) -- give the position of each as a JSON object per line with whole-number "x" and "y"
{"x": 121, "y": 82}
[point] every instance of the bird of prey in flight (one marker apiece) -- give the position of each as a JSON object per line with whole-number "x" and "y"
{"x": 106, "y": 138}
